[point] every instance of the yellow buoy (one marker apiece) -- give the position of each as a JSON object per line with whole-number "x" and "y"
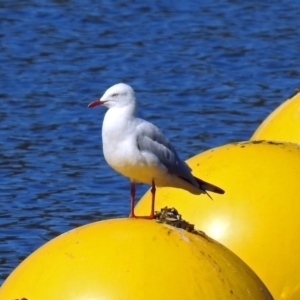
{"x": 132, "y": 259}
{"x": 257, "y": 217}
{"x": 283, "y": 124}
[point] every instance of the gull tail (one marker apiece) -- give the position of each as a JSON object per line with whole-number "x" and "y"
{"x": 205, "y": 186}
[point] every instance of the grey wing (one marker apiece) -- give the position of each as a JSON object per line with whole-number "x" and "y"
{"x": 152, "y": 140}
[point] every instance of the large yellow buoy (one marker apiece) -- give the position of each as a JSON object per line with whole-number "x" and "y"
{"x": 257, "y": 217}
{"x": 283, "y": 124}
{"x": 132, "y": 259}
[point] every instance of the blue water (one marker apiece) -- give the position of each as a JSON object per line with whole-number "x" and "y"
{"x": 206, "y": 72}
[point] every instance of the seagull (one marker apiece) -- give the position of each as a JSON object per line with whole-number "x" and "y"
{"x": 137, "y": 149}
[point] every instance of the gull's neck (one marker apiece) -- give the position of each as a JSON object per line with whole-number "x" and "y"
{"x": 122, "y": 112}
{"x": 117, "y": 120}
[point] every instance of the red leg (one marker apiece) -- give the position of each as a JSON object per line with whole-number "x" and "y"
{"x": 153, "y": 190}
{"x": 132, "y": 194}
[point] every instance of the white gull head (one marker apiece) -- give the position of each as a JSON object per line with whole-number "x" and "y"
{"x": 119, "y": 95}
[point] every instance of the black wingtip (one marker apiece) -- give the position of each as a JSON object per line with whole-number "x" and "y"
{"x": 218, "y": 190}
{"x": 209, "y": 187}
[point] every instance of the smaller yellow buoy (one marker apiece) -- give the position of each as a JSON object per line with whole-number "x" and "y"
{"x": 132, "y": 259}
{"x": 283, "y": 123}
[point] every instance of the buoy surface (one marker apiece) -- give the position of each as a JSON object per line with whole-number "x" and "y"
{"x": 132, "y": 259}
{"x": 283, "y": 123}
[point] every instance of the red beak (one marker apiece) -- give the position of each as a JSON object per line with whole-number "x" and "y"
{"x": 95, "y": 103}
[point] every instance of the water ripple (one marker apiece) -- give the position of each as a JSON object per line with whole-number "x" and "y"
{"x": 207, "y": 73}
